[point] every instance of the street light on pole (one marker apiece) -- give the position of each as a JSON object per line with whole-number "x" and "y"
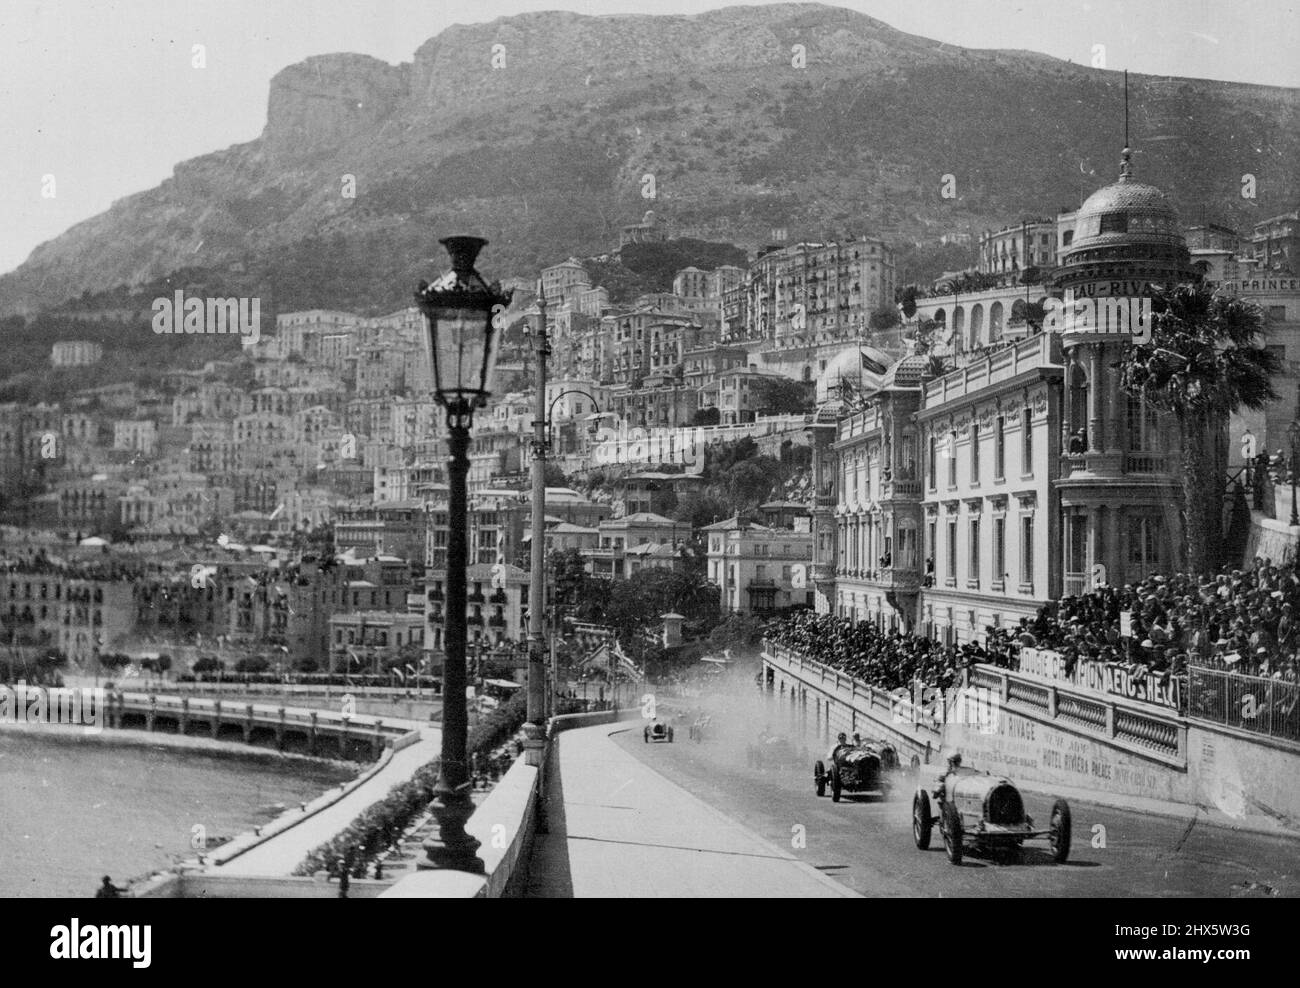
{"x": 534, "y": 728}
{"x": 459, "y": 310}
{"x": 1293, "y": 434}
{"x": 592, "y": 430}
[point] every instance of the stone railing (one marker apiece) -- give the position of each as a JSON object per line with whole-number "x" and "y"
{"x": 1138, "y": 729}
{"x": 1102, "y": 717}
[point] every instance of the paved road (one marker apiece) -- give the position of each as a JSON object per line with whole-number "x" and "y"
{"x": 615, "y": 828}
{"x": 867, "y": 844}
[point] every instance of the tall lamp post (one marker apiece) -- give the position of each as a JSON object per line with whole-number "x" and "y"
{"x": 458, "y": 309}
{"x": 534, "y": 729}
{"x": 1293, "y": 434}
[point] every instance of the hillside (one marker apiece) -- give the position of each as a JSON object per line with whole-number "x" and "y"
{"x": 546, "y": 156}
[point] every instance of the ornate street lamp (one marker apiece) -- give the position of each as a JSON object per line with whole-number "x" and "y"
{"x": 459, "y": 309}
{"x": 1293, "y": 433}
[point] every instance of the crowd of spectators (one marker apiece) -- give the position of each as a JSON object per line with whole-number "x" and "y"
{"x": 1241, "y": 620}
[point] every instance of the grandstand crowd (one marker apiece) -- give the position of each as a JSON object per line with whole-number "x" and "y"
{"x": 1241, "y": 621}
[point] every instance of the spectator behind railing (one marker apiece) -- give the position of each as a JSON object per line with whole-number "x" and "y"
{"x": 1242, "y": 621}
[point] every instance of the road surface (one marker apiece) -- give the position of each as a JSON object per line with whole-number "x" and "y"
{"x": 866, "y": 843}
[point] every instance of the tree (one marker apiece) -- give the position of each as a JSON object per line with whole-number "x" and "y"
{"x": 706, "y": 416}
{"x": 570, "y": 575}
{"x": 783, "y": 396}
{"x": 114, "y": 660}
{"x": 1203, "y": 362}
{"x": 885, "y": 317}
{"x": 750, "y": 482}
{"x": 553, "y": 475}
{"x": 907, "y": 300}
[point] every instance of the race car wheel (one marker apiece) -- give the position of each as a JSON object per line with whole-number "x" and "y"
{"x": 819, "y": 778}
{"x": 836, "y": 787}
{"x": 646, "y": 735}
{"x": 670, "y": 735}
{"x": 1058, "y": 831}
{"x": 950, "y": 825}
{"x": 922, "y": 821}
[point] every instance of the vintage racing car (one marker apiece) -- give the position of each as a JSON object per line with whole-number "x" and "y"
{"x": 986, "y": 813}
{"x": 657, "y": 730}
{"x": 857, "y": 768}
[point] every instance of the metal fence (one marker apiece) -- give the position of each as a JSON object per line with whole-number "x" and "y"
{"x": 1270, "y": 707}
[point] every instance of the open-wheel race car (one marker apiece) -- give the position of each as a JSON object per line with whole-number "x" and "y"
{"x": 985, "y": 813}
{"x": 772, "y": 751}
{"x": 861, "y": 767}
{"x": 657, "y": 730}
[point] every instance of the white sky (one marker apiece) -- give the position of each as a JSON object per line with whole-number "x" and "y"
{"x": 101, "y": 93}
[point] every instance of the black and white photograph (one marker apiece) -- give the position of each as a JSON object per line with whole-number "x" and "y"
{"x": 651, "y": 450}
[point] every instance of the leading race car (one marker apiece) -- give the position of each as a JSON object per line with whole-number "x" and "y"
{"x": 857, "y": 767}
{"x": 657, "y": 730}
{"x": 986, "y": 813}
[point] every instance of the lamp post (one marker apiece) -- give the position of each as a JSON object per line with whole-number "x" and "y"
{"x": 534, "y": 728}
{"x": 1293, "y": 434}
{"x": 459, "y": 309}
{"x": 550, "y": 413}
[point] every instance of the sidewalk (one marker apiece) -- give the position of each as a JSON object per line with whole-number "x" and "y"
{"x": 619, "y": 829}
{"x": 279, "y": 855}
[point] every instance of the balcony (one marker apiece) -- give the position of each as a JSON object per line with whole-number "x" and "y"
{"x": 1148, "y": 463}
{"x": 1076, "y": 584}
{"x": 475, "y": 620}
{"x": 764, "y": 584}
{"x": 498, "y": 597}
{"x": 899, "y": 489}
{"x": 476, "y": 598}
{"x": 497, "y": 621}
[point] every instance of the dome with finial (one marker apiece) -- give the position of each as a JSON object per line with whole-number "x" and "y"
{"x": 1126, "y": 210}
{"x": 1127, "y": 234}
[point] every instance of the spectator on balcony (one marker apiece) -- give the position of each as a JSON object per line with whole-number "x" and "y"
{"x": 1078, "y": 443}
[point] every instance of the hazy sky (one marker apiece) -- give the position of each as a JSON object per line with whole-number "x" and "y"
{"x": 102, "y": 95}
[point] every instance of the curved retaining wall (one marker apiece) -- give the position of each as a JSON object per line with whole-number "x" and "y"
{"x": 1049, "y": 737}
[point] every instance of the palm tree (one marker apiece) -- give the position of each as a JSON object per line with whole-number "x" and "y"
{"x": 1204, "y": 360}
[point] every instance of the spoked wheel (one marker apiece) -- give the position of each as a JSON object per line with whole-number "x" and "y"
{"x": 819, "y": 778}
{"x": 836, "y": 788}
{"x": 922, "y": 821}
{"x": 1058, "y": 831}
{"x": 950, "y": 824}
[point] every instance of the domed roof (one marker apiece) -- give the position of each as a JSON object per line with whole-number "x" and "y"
{"x": 906, "y": 373}
{"x": 1125, "y": 211}
{"x": 847, "y": 365}
{"x": 1127, "y": 194}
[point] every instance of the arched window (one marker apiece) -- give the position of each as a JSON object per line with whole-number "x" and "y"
{"x": 995, "y": 322}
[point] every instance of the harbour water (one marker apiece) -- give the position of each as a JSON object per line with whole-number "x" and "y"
{"x": 74, "y": 808}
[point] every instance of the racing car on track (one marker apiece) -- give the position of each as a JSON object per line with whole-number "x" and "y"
{"x": 985, "y": 813}
{"x": 657, "y": 730}
{"x": 860, "y": 767}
